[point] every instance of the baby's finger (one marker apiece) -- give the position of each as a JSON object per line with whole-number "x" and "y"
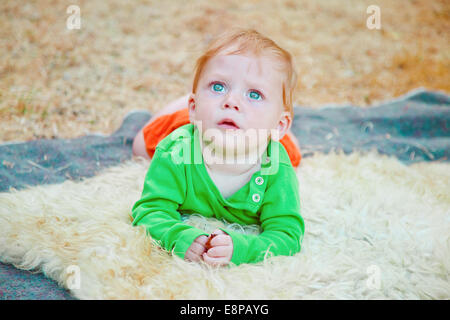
{"x": 191, "y": 256}
{"x": 221, "y": 240}
{"x": 197, "y": 248}
{"x": 201, "y": 239}
{"x": 219, "y": 251}
{"x": 218, "y": 231}
{"x": 214, "y": 261}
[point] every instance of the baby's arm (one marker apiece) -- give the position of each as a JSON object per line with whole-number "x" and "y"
{"x": 164, "y": 191}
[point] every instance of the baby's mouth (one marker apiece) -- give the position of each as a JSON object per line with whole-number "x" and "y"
{"x": 227, "y": 124}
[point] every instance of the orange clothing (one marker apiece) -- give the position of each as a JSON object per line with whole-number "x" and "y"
{"x": 161, "y": 127}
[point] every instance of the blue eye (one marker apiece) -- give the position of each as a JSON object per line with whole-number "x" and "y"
{"x": 217, "y": 87}
{"x": 255, "y": 95}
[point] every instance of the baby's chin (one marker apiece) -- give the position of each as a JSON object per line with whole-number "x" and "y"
{"x": 235, "y": 143}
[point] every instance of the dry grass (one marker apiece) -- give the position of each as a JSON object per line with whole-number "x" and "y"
{"x": 140, "y": 54}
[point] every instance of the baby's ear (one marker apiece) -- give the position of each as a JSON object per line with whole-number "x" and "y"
{"x": 191, "y": 101}
{"x": 191, "y": 107}
{"x": 283, "y": 125}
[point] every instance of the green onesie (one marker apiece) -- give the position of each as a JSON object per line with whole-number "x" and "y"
{"x": 177, "y": 182}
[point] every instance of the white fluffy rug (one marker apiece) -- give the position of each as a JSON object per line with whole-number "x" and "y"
{"x": 375, "y": 229}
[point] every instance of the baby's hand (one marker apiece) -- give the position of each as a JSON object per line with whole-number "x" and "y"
{"x": 196, "y": 249}
{"x": 219, "y": 250}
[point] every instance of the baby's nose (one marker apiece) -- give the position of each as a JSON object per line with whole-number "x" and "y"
{"x": 231, "y": 105}
{"x": 231, "y": 102}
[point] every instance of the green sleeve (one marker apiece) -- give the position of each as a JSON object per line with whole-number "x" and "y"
{"x": 164, "y": 191}
{"x": 281, "y": 223}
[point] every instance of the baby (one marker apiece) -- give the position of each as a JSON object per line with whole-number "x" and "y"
{"x": 228, "y": 156}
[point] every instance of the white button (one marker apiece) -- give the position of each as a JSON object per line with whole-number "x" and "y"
{"x": 259, "y": 181}
{"x": 256, "y": 197}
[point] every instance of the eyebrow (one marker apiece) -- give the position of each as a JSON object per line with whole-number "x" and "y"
{"x": 218, "y": 75}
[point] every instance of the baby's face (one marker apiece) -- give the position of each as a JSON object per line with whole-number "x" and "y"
{"x": 238, "y": 93}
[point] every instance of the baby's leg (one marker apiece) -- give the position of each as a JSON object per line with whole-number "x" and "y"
{"x": 293, "y": 138}
{"x": 139, "y": 148}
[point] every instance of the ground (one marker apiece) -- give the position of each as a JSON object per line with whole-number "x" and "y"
{"x": 128, "y": 55}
